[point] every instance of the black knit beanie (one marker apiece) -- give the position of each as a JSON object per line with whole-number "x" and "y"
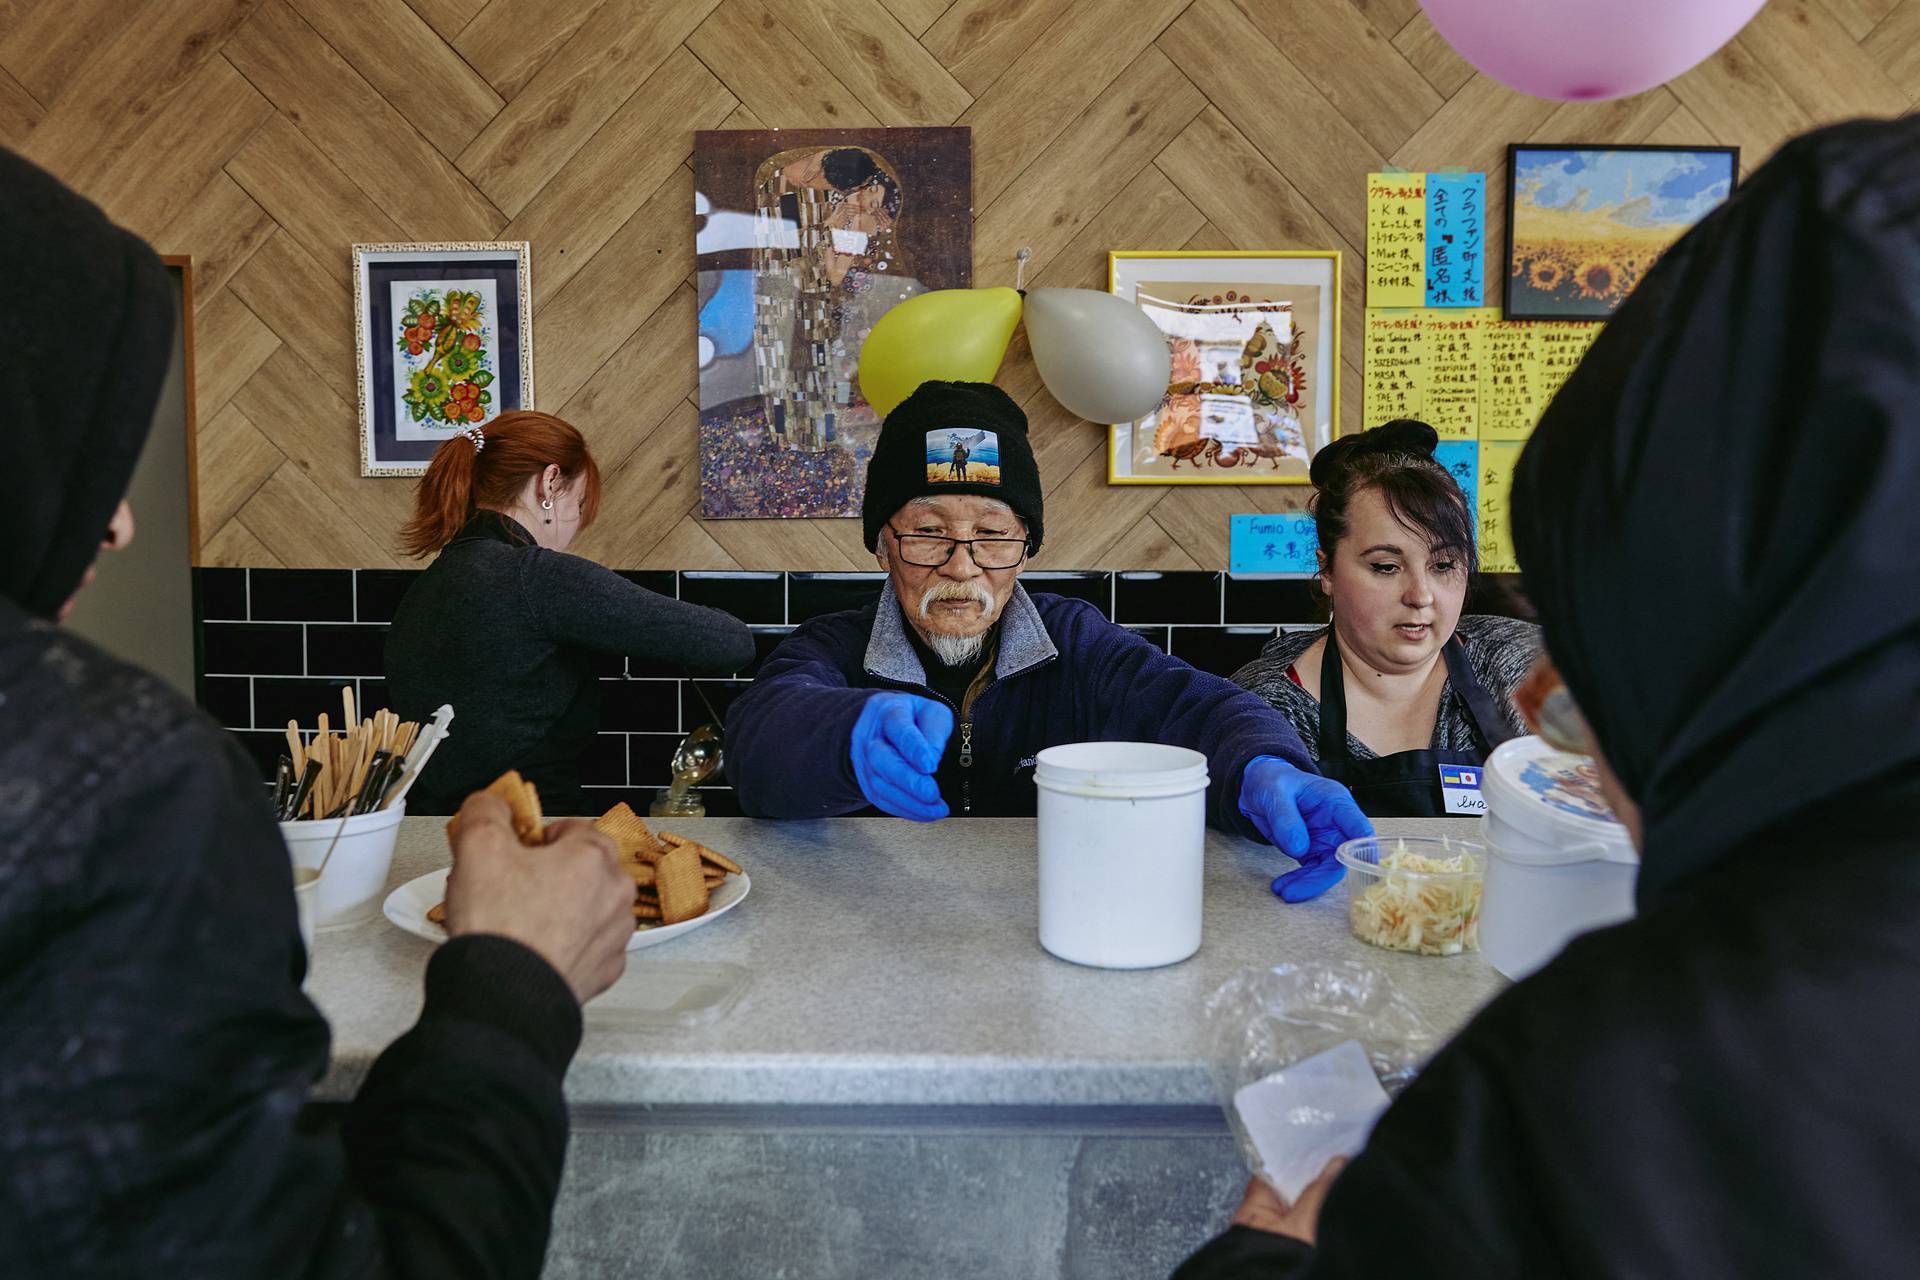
{"x": 953, "y": 437}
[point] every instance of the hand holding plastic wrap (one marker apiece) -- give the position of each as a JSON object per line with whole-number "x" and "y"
{"x": 1305, "y": 1058}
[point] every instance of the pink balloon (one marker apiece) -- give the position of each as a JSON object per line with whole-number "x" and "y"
{"x": 1574, "y": 50}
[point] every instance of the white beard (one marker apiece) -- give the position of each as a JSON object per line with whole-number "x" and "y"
{"x": 956, "y": 651}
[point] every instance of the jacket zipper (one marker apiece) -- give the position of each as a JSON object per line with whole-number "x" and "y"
{"x": 966, "y": 762}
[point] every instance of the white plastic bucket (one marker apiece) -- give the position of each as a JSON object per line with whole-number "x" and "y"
{"x": 1560, "y": 864}
{"x": 355, "y": 880}
{"x": 1123, "y": 837}
{"x": 306, "y": 884}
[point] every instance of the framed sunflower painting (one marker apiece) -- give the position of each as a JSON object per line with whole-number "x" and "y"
{"x": 1585, "y": 223}
{"x": 443, "y": 338}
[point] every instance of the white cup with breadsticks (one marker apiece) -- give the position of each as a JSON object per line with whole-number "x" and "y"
{"x": 339, "y": 797}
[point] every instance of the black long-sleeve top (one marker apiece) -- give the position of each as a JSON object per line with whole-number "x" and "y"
{"x": 1716, "y": 1088}
{"x": 156, "y": 1051}
{"x": 505, "y": 631}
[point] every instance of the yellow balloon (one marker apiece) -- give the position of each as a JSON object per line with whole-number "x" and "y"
{"x": 949, "y": 335}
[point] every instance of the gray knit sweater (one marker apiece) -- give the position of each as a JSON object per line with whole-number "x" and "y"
{"x": 1500, "y": 650}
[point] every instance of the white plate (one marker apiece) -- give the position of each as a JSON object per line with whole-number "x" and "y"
{"x": 408, "y": 905}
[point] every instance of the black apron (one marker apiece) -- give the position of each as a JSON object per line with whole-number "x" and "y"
{"x": 1407, "y": 783}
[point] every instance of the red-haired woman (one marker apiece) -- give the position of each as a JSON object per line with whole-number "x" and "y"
{"x": 504, "y": 622}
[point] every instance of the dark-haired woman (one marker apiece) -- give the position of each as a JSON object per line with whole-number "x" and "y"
{"x": 503, "y": 625}
{"x": 1400, "y": 684}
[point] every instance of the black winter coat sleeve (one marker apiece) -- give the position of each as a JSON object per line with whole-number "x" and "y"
{"x": 156, "y": 1056}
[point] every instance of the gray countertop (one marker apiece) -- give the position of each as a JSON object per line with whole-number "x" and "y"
{"x": 899, "y": 964}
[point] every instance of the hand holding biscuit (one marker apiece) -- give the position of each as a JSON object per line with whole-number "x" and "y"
{"x": 567, "y": 899}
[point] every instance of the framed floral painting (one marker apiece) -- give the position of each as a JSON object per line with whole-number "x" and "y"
{"x": 1255, "y": 387}
{"x": 443, "y": 336}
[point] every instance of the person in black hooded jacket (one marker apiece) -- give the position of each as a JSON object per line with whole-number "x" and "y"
{"x": 156, "y": 1050}
{"x": 1716, "y": 520}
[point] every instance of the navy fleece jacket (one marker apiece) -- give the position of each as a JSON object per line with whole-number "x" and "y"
{"x": 1063, "y": 674}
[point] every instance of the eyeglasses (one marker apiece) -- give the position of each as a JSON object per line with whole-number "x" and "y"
{"x": 1548, "y": 709}
{"x": 929, "y": 551}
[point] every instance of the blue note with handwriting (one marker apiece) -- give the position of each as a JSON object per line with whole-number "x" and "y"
{"x": 1272, "y": 544}
{"x": 1456, "y": 238}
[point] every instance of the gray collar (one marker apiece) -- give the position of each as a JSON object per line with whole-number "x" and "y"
{"x": 1024, "y": 642}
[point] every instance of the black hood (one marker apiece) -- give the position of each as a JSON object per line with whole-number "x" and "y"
{"x": 1717, "y": 516}
{"x": 86, "y": 329}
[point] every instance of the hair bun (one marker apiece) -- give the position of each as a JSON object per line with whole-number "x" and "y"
{"x": 1402, "y": 435}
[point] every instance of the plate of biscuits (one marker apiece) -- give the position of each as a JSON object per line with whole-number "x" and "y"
{"x": 678, "y": 884}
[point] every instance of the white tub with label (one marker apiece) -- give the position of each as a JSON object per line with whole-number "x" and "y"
{"x": 1559, "y": 864}
{"x": 1123, "y": 835}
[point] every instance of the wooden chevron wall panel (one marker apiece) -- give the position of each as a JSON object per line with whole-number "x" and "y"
{"x": 263, "y": 137}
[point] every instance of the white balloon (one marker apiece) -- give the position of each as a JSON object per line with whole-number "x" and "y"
{"x": 1099, "y": 354}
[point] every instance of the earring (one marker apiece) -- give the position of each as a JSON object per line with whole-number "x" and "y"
{"x": 546, "y": 504}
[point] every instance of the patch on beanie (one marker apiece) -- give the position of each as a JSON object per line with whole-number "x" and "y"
{"x": 957, "y": 455}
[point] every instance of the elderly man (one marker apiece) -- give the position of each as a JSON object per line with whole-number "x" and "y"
{"x": 859, "y": 709}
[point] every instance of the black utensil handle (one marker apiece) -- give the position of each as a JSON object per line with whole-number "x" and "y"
{"x": 371, "y": 787}
{"x": 282, "y": 785}
{"x": 302, "y": 788}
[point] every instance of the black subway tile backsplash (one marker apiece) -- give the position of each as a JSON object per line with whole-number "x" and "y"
{"x": 810, "y": 595}
{"x": 655, "y": 669}
{"x": 1093, "y": 587}
{"x": 265, "y": 748}
{"x": 1221, "y": 650}
{"x": 721, "y": 802}
{"x": 765, "y": 641}
{"x": 378, "y": 590}
{"x": 257, "y": 675}
{"x": 253, "y": 649}
{"x": 346, "y": 649}
{"x": 602, "y": 798}
{"x": 605, "y": 762}
{"x": 650, "y": 759}
{"x": 373, "y": 696}
{"x": 223, "y": 594}
{"x": 652, "y": 705}
{"x": 695, "y": 695}
{"x": 608, "y": 665}
{"x": 1274, "y": 601}
{"x": 228, "y": 699}
{"x": 276, "y": 701}
{"x": 754, "y": 598}
{"x": 301, "y": 595}
{"x": 1167, "y": 597}
{"x": 662, "y": 582}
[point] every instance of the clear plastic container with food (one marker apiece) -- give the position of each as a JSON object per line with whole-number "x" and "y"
{"x": 1415, "y": 893}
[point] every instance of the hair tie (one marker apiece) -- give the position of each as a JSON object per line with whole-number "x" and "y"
{"x": 477, "y": 436}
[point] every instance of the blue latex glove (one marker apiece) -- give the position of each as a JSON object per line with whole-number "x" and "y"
{"x": 897, "y": 743}
{"x": 1307, "y": 817}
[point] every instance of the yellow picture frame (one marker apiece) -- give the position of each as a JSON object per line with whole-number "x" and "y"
{"x": 1127, "y": 269}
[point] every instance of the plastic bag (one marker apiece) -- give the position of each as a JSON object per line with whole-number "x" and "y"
{"x": 1264, "y": 1021}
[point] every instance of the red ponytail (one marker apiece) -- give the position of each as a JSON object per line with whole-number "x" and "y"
{"x": 516, "y": 447}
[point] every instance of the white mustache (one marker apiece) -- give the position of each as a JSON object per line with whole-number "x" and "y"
{"x": 955, "y": 591}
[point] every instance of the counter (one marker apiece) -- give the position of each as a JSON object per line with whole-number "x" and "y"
{"x": 905, "y": 1052}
